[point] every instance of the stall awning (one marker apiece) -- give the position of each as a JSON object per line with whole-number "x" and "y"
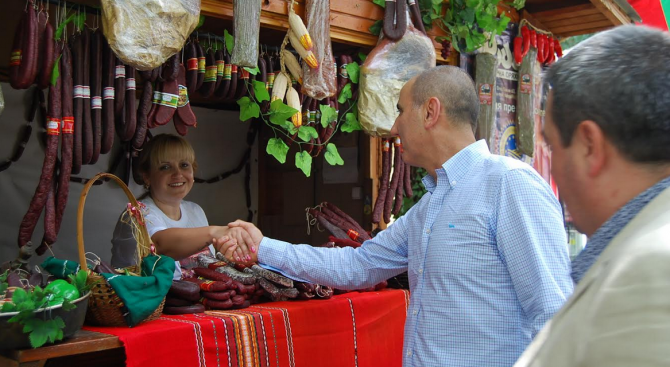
{"x": 654, "y": 13}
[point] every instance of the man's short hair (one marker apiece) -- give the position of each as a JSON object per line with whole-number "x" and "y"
{"x": 454, "y": 88}
{"x": 620, "y": 79}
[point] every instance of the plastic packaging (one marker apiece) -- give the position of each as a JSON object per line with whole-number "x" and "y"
{"x": 321, "y": 82}
{"x": 247, "y": 22}
{"x": 145, "y": 33}
{"x": 525, "y": 103}
{"x": 387, "y": 68}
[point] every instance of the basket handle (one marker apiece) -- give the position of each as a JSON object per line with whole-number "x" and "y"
{"x": 80, "y": 213}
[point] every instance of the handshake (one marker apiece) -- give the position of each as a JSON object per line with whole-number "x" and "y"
{"x": 239, "y": 243}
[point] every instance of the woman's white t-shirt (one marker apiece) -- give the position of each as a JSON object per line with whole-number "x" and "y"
{"x": 124, "y": 246}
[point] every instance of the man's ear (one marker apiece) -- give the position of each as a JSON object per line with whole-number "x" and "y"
{"x": 593, "y": 146}
{"x": 431, "y": 112}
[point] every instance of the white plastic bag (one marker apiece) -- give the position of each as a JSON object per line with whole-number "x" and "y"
{"x": 145, "y": 33}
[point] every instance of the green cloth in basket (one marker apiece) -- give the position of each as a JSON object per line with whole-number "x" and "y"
{"x": 143, "y": 294}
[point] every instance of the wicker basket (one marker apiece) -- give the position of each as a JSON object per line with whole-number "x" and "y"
{"x": 104, "y": 306}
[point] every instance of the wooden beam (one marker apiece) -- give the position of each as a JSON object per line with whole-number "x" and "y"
{"x": 349, "y": 20}
{"x": 612, "y": 11}
{"x": 532, "y": 20}
{"x": 583, "y": 20}
{"x": 585, "y": 31}
{"x": 583, "y": 28}
{"x": 563, "y": 12}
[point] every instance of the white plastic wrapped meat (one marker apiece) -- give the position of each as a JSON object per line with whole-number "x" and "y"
{"x": 387, "y": 68}
{"x": 321, "y": 82}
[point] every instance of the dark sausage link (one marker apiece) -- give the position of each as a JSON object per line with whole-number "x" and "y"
{"x": 400, "y": 191}
{"x": 408, "y": 181}
{"x": 191, "y": 66}
{"x": 233, "y": 82}
{"x": 23, "y": 62}
{"x": 202, "y": 63}
{"x": 222, "y": 90}
{"x": 96, "y": 94}
{"x": 53, "y": 130}
{"x": 384, "y": 183}
{"x": 47, "y": 57}
{"x": 395, "y": 10}
{"x": 108, "y": 108}
{"x": 168, "y": 102}
{"x": 131, "y": 103}
{"x": 142, "y": 115}
{"x": 209, "y": 82}
{"x": 415, "y": 12}
{"x": 87, "y": 129}
{"x": 39, "y": 198}
{"x": 119, "y": 88}
{"x": 184, "y": 110}
{"x": 66, "y": 138}
{"x": 220, "y": 68}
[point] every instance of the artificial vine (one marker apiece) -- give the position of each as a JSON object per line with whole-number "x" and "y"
{"x": 278, "y": 117}
{"x": 467, "y": 23}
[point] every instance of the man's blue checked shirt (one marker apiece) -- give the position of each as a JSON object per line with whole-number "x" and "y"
{"x": 486, "y": 254}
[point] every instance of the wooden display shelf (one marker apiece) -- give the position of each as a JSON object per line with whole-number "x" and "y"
{"x": 82, "y": 343}
{"x": 349, "y": 20}
{"x": 573, "y": 18}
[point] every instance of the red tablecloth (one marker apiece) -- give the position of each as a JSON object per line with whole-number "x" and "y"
{"x": 352, "y": 329}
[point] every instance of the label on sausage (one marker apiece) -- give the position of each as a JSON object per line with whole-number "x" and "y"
{"x": 201, "y": 64}
{"x": 68, "y": 125}
{"x": 397, "y": 142}
{"x": 210, "y": 74}
{"x": 271, "y": 81}
{"x": 157, "y": 97}
{"x": 245, "y": 74}
{"x": 485, "y": 93}
{"x": 352, "y": 234}
{"x": 220, "y": 66}
{"x": 387, "y": 146}
{"x": 183, "y": 96}
{"x": 78, "y": 91}
{"x": 53, "y": 126}
{"x": 169, "y": 100}
{"x": 120, "y": 72}
{"x": 192, "y": 64}
{"x": 96, "y": 103}
{"x": 130, "y": 84}
{"x": 86, "y": 90}
{"x": 15, "y": 59}
{"x": 233, "y": 69}
{"x": 108, "y": 93}
{"x": 226, "y": 71}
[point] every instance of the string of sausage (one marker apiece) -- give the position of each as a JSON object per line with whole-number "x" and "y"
{"x": 53, "y": 130}
{"x": 384, "y": 184}
{"x": 87, "y": 128}
{"x": 23, "y": 61}
{"x": 395, "y": 10}
{"x": 108, "y": 108}
{"x": 38, "y": 201}
{"x": 66, "y": 146}
{"x": 96, "y": 94}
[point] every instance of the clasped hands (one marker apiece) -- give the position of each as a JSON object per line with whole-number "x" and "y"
{"x": 240, "y": 243}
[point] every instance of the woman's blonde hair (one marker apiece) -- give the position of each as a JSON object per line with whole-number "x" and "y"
{"x": 162, "y": 147}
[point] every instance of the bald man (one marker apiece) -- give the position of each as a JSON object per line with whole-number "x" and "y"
{"x": 484, "y": 248}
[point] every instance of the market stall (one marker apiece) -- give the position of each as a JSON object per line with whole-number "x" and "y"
{"x": 288, "y": 106}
